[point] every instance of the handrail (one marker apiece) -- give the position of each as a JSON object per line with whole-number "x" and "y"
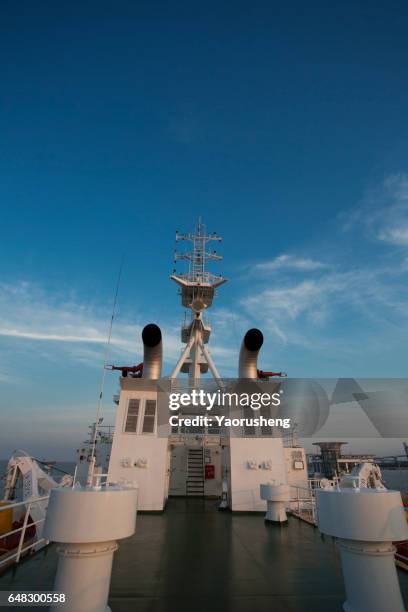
{"x": 23, "y": 550}
{"x": 22, "y": 503}
{"x": 9, "y": 533}
{"x": 20, "y": 547}
{"x": 311, "y": 500}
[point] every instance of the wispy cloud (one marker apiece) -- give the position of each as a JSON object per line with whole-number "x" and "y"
{"x": 335, "y": 296}
{"x": 290, "y": 262}
{"x": 16, "y": 333}
{"x": 395, "y": 235}
{"x": 27, "y": 312}
{"x": 383, "y": 212}
{"x": 295, "y": 311}
{"x": 52, "y": 326}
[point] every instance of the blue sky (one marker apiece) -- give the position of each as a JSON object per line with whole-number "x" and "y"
{"x": 284, "y": 127}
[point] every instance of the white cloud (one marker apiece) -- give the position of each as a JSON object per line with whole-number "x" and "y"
{"x": 287, "y": 261}
{"x": 29, "y": 313}
{"x": 16, "y": 333}
{"x": 288, "y": 301}
{"x": 395, "y": 235}
{"x": 48, "y": 327}
{"x": 383, "y": 212}
{"x": 295, "y": 311}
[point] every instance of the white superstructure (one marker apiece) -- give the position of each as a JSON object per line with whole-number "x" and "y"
{"x": 140, "y": 454}
{"x": 194, "y": 460}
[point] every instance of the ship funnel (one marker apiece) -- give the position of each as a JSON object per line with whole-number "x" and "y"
{"x": 153, "y": 351}
{"x": 248, "y": 355}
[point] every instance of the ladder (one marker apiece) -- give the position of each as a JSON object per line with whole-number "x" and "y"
{"x": 195, "y": 473}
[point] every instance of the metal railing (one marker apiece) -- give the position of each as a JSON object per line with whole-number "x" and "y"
{"x": 17, "y": 552}
{"x": 304, "y": 500}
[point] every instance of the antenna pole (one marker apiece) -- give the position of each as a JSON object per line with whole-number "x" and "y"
{"x": 102, "y": 385}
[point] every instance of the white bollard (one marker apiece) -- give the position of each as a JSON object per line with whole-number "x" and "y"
{"x": 277, "y": 497}
{"x": 86, "y": 524}
{"x": 366, "y": 521}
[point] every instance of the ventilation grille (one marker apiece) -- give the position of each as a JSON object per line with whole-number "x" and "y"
{"x": 132, "y": 416}
{"x": 149, "y": 416}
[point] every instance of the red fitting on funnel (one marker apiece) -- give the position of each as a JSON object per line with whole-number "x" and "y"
{"x": 135, "y": 369}
{"x": 262, "y": 374}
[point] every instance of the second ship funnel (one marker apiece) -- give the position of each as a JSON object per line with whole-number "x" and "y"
{"x": 248, "y": 355}
{"x": 152, "y": 351}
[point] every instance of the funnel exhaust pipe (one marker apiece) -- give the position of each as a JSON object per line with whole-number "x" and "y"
{"x": 152, "y": 351}
{"x": 248, "y": 355}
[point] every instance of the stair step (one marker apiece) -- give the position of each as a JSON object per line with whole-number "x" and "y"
{"x": 195, "y": 473}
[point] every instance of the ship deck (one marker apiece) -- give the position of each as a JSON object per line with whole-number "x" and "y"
{"x": 194, "y": 557}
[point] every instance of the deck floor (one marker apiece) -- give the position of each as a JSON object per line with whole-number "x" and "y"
{"x": 195, "y": 558}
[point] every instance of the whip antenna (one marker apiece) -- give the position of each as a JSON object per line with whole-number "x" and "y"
{"x": 102, "y": 385}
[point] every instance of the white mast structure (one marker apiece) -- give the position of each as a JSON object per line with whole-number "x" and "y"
{"x": 197, "y": 292}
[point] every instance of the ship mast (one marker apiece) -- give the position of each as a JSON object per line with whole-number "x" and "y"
{"x": 198, "y": 287}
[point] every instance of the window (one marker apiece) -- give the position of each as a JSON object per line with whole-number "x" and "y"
{"x": 149, "y": 416}
{"x": 132, "y": 416}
